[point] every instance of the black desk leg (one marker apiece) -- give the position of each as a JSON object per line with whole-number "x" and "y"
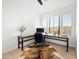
{"x": 22, "y": 44}
{"x": 18, "y": 42}
{"x": 67, "y": 45}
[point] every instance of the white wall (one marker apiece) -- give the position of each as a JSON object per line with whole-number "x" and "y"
{"x": 71, "y": 9}
{"x": 16, "y": 13}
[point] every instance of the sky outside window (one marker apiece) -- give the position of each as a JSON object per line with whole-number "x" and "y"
{"x": 66, "y": 20}
{"x": 54, "y": 21}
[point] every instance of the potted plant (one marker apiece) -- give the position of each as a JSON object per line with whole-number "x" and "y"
{"x": 21, "y": 29}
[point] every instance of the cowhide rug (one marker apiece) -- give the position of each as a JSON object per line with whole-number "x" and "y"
{"x": 45, "y": 52}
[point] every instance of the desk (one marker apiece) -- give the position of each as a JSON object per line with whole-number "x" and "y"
{"x": 21, "y": 40}
{"x": 59, "y": 38}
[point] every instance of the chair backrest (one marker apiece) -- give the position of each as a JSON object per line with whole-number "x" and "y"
{"x": 38, "y": 37}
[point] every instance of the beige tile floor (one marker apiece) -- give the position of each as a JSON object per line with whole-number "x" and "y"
{"x": 61, "y": 50}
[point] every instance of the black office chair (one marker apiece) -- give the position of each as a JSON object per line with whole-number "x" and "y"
{"x": 39, "y": 39}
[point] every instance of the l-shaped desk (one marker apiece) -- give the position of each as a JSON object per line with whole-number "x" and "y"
{"x": 31, "y": 37}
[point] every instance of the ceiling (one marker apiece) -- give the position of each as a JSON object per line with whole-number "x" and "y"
{"x": 48, "y": 5}
{"x": 51, "y": 5}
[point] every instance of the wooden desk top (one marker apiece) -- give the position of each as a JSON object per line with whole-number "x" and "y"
{"x": 48, "y": 35}
{"x": 61, "y": 36}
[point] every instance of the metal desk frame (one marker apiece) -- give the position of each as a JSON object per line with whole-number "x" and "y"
{"x": 21, "y": 40}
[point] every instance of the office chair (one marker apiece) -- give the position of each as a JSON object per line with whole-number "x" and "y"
{"x": 39, "y": 39}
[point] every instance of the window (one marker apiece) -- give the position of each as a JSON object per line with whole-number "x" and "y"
{"x": 46, "y": 25}
{"x": 66, "y": 22}
{"x": 54, "y": 25}
{"x": 57, "y": 25}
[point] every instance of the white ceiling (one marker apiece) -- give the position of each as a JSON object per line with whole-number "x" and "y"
{"x": 49, "y": 5}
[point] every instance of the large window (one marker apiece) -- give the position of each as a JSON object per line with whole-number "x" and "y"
{"x": 54, "y": 25}
{"x": 57, "y": 25}
{"x": 66, "y": 22}
{"x": 46, "y": 25}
